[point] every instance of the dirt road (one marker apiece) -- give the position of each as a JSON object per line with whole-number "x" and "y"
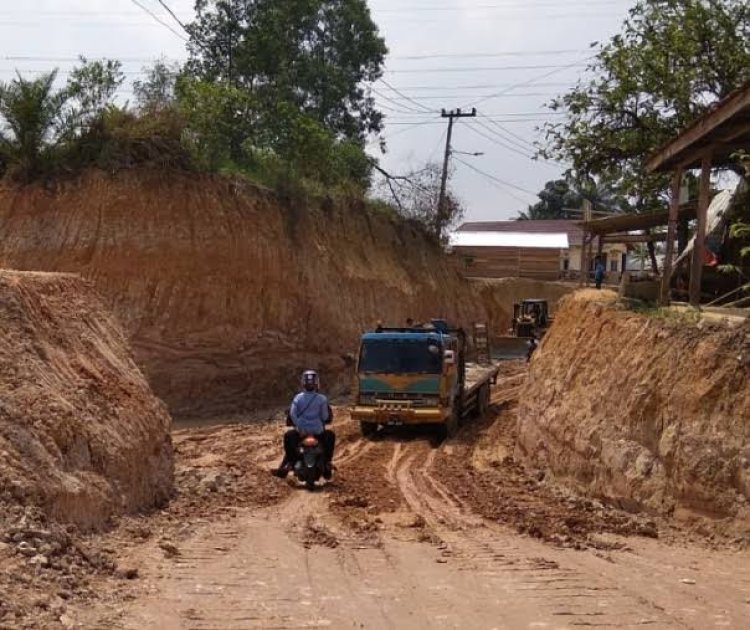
{"x": 392, "y": 544}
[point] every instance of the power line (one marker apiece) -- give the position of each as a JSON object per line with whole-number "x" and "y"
{"x": 174, "y": 16}
{"x": 158, "y": 19}
{"x": 491, "y": 7}
{"x": 411, "y": 100}
{"x": 530, "y": 81}
{"x": 484, "y": 68}
{"x": 77, "y": 59}
{"x": 405, "y": 109}
{"x": 497, "y": 180}
{"x": 492, "y": 181}
{"x": 435, "y": 97}
{"x": 508, "y": 131}
{"x": 499, "y": 142}
{"x": 496, "y": 138}
{"x": 523, "y": 145}
{"x": 480, "y": 86}
{"x": 510, "y": 53}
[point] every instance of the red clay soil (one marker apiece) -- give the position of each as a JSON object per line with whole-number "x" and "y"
{"x": 82, "y": 440}
{"x": 647, "y": 411}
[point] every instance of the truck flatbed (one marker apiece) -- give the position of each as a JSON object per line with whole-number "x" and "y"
{"x": 477, "y": 375}
{"x": 476, "y": 396}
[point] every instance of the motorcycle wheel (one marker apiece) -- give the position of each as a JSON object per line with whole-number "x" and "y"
{"x": 310, "y": 485}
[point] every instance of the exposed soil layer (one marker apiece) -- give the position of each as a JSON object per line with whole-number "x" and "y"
{"x": 646, "y": 411}
{"x": 226, "y": 294}
{"x": 82, "y": 440}
{"x": 81, "y": 435}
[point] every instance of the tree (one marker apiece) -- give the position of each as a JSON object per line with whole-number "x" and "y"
{"x": 313, "y": 54}
{"x": 40, "y": 121}
{"x": 672, "y": 60}
{"x": 32, "y": 113}
{"x": 157, "y": 91}
{"x": 560, "y": 196}
{"x": 417, "y": 196}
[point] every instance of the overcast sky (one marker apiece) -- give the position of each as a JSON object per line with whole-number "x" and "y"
{"x": 506, "y": 57}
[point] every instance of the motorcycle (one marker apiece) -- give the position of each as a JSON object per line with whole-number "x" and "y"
{"x": 310, "y": 464}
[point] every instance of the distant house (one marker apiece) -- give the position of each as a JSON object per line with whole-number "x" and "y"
{"x": 544, "y": 250}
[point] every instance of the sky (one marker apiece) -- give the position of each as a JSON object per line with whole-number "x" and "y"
{"x": 507, "y": 58}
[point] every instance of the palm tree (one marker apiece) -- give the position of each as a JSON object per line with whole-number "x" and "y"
{"x": 31, "y": 112}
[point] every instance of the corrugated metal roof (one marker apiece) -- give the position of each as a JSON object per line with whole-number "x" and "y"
{"x": 546, "y": 226}
{"x": 549, "y": 240}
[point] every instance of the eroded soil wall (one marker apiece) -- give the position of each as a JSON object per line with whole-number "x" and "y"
{"x": 81, "y": 434}
{"x": 226, "y": 294}
{"x": 648, "y": 411}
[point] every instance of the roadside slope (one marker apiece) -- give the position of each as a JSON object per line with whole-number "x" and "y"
{"x": 81, "y": 435}
{"x": 649, "y": 412}
{"x": 225, "y": 294}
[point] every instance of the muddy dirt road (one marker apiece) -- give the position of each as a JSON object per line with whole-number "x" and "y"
{"x": 409, "y": 535}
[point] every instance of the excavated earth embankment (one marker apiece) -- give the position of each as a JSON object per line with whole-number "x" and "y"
{"x": 224, "y": 293}
{"x": 82, "y": 437}
{"x": 649, "y": 411}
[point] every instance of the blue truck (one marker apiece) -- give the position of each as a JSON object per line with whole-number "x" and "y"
{"x": 417, "y": 376}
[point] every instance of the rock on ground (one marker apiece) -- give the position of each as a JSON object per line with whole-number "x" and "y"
{"x": 82, "y": 437}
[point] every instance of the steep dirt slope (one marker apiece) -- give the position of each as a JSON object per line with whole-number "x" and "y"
{"x": 225, "y": 294}
{"x": 649, "y": 411}
{"x": 81, "y": 434}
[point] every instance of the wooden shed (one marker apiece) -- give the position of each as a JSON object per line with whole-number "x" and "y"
{"x": 502, "y": 253}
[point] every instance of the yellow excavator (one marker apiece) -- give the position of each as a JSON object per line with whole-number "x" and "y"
{"x": 530, "y": 318}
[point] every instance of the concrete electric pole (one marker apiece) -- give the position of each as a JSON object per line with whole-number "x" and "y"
{"x": 440, "y": 220}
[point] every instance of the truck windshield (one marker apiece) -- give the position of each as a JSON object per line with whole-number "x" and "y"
{"x": 401, "y": 357}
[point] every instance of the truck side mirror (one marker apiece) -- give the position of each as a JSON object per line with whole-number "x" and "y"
{"x": 449, "y": 357}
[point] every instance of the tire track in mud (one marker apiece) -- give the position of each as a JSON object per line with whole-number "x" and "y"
{"x": 481, "y": 550}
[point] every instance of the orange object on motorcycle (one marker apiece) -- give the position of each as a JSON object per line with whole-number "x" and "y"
{"x": 310, "y": 441}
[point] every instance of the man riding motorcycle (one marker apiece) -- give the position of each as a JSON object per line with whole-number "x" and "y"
{"x": 309, "y": 414}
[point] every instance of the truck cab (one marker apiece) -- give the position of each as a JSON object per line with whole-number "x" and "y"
{"x": 408, "y": 376}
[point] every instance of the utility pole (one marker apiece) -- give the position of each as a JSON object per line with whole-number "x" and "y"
{"x": 451, "y": 115}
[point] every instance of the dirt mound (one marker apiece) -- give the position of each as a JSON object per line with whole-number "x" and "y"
{"x": 81, "y": 435}
{"x": 647, "y": 410}
{"x": 225, "y": 294}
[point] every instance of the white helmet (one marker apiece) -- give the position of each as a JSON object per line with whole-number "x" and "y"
{"x": 310, "y": 380}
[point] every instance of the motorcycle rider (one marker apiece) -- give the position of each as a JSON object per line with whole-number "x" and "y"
{"x": 308, "y": 414}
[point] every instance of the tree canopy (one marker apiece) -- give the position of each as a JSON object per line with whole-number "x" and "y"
{"x": 670, "y": 62}
{"x": 559, "y": 197}
{"x": 314, "y": 54}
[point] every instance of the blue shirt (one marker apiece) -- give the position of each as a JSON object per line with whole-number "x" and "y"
{"x": 309, "y": 412}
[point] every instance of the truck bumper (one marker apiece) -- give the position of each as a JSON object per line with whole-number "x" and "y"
{"x": 383, "y": 415}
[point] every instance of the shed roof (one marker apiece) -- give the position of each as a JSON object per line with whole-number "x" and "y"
{"x": 538, "y": 240}
{"x": 634, "y": 222}
{"x": 724, "y": 129}
{"x": 572, "y": 229}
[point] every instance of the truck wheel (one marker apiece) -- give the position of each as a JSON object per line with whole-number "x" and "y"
{"x": 368, "y": 429}
{"x": 483, "y": 401}
{"x": 450, "y": 427}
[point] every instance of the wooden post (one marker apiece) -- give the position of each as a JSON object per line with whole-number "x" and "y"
{"x": 699, "y": 249}
{"x": 674, "y": 209}
{"x": 583, "y": 258}
{"x": 589, "y": 258}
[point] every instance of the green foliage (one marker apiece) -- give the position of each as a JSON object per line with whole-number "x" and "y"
{"x": 560, "y": 196}
{"x": 44, "y": 126}
{"x": 157, "y": 91}
{"x": 672, "y": 59}
{"x": 417, "y": 198}
{"x": 312, "y": 54}
{"x": 32, "y": 112}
